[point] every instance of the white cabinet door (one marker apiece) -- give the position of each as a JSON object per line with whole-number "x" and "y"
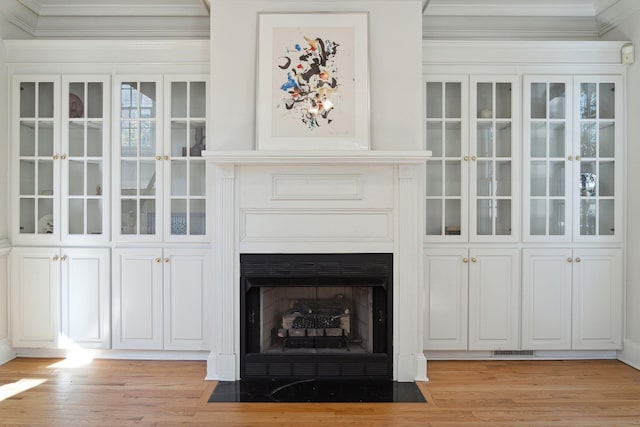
{"x": 35, "y": 297}
{"x": 447, "y": 281}
{"x": 494, "y": 299}
{"x": 137, "y": 299}
{"x": 185, "y": 299}
{"x": 597, "y": 299}
{"x": 85, "y": 298}
{"x": 546, "y": 299}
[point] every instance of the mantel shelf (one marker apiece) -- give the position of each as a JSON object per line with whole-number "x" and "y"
{"x": 315, "y": 157}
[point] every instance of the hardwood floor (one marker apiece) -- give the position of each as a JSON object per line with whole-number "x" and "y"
{"x": 491, "y": 393}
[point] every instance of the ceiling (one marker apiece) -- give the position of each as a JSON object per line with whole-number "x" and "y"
{"x": 566, "y": 19}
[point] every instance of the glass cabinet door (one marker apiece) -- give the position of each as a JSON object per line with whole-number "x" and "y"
{"x": 185, "y": 185}
{"x": 139, "y": 163}
{"x": 493, "y": 206}
{"x": 547, "y": 159}
{"x": 597, "y": 146}
{"x": 36, "y": 134}
{"x": 85, "y": 150}
{"x": 446, "y": 138}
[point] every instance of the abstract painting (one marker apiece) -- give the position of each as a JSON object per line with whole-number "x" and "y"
{"x": 313, "y": 85}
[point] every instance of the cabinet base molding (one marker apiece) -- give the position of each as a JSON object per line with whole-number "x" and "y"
{"x": 631, "y": 353}
{"x": 519, "y": 355}
{"x": 6, "y": 352}
{"x": 114, "y": 354}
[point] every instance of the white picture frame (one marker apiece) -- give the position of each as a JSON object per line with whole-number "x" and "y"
{"x": 312, "y": 81}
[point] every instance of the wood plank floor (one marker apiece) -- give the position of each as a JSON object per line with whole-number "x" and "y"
{"x": 152, "y": 393}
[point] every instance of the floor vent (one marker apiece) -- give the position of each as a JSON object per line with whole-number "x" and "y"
{"x": 512, "y": 353}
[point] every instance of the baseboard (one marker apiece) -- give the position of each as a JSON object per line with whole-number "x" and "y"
{"x": 537, "y": 355}
{"x": 114, "y": 354}
{"x": 630, "y": 354}
{"x": 6, "y": 352}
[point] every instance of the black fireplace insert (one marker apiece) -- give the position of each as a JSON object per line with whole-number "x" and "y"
{"x": 323, "y": 316}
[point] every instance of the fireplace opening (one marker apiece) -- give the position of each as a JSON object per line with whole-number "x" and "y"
{"x": 316, "y": 315}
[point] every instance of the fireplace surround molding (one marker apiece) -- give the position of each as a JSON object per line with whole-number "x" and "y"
{"x": 318, "y": 202}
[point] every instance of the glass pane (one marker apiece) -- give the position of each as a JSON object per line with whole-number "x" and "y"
{"x": 198, "y": 217}
{"x": 453, "y": 139}
{"x": 27, "y": 178}
{"x": 485, "y": 140}
{"x": 179, "y": 139}
{"x": 485, "y": 178}
{"x": 197, "y": 179}
{"x": 76, "y": 100}
{"x": 45, "y": 215}
{"x": 178, "y": 217}
{"x": 556, "y": 139}
{"x": 607, "y": 100}
{"x": 148, "y": 216}
{"x": 556, "y": 217}
{"x": 76, "y": 178}
{"x": 453, "y": 100}
{"x": 178, "y": 178}
{"x": 606, "y": 218}
{"x": 556, "y": 100}
{"x": 27, "y": 216}
{"x": 503, "y": 140}
{"x": 434, "y": 138}
{"x": 129, "y": 137}
{"x": 588, "y": 139}
{"x": 198, "y": 100}
{"x": 538, "y": 100}
{"x": 45, "y": 139}
{"x": 147, "y": 100}
{"x": 537, "y": 220}
{"x": 95, "y": 100}
{"x": 556, "y": 178}
{"x": 76, "y": 216}
{"x": 503, "y": 100}
{"x": 147, "y": 138}
{"x": 27, "y": 139}
{"x": 128, "y": 217}
{"x": 434, "y": 100}
{"x": 129, "y": 100}
{"x": 128, "y": 177}
{"x": 179, "y": 99}
{"x": 587, "y": 180}
{"x": 453, "y": 174}
{"x": 588, "y": 100}
{"x": 94, "y": 216}
{"x": 452, "y": 222}
{"x": 434, "y": 217}
{"x": 94, "y": 178}
{"x": 538, "y": 178}
{"x": 45, "y": 177}
{"x": 94, "y": 139}
{"x": 76, "y": 139}
{"x": 45, "y": 100}
{"x": 147, "y": 178}
{"x": 503, "y": 218}
{"x": 434, "y": 178}
{"x": 587, "y": 217}
{"x": 538, "y": 139}
{"x": 607, "y": 139}
{"x": 484, "y": 217}
{"x": 28, "y": 99}
{"x": 197, "y": 135}
{"x": 606, "y": 179}
{"x": 503, "y": 178}
{"x": 485, "y": 100}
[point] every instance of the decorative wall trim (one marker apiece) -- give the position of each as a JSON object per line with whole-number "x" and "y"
{"x": 316, "y": 187}
{"x": 616, "y": 14}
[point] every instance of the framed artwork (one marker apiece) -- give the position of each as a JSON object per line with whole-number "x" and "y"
{"x": 313, "y": 82}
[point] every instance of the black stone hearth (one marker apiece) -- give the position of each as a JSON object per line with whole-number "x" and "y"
{"x": 343, "y": 332}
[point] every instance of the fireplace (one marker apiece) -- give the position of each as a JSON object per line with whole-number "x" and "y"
{"x": 316, "y": 316}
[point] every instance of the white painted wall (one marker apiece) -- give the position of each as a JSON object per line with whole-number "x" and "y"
{"x": 630, "y": 30}
{"x": 395, "y": 40}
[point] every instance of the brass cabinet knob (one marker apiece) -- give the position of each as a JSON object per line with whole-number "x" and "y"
{"x": 55, "y": 257}
{"x": 63, "y": 156}
{"x": 465, "y": 260}
{"x": 158, "y": 158}
{"x": 63, "y": 258}
{"x": 474, "y": 158}
{"x": 473, "y": 260}
{"x": 569, "y": 158}
{"x": 166, "y": 260}
{"x": 578, "y": 158}
{"x": 466, "y": 158}
{"x": 56, "y": 156}
{"x": 158, "y": 260}
{"x": 166, "y": 157}
{"x": 569, "y": 259}
{"x": 578, "y": 259}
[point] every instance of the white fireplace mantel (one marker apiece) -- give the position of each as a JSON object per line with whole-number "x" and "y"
{"x": 331, "y": 201}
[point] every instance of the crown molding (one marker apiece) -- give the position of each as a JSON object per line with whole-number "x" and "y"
{"x": 20, "y": 16}
{"x": 574, "y": 8}
{"x": 616, "y": 14}
{"x": 141, "y": 8}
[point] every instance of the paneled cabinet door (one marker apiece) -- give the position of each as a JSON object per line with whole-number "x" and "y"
{"x": 446, "y": 313}
{"x": 494, "y": 299}
{"x": 597, "y": 299}
{"x": 186, "y": 322}
{"x": 35, "y": 292}
{"x": 85, "y": 298}
{"x": 137, "y": 299}
{"x": 546, "y": 299}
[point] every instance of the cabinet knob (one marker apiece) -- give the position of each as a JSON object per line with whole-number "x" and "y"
{"x": 56, "y": 156}
{"x": 166, "y": 157}
{"x": 55, "y": 258}
{"x": 158, "y": 260}
{"x": 473, "y": 260}
{"x": 465, "y": 260}
{"x": 578, "y": 259}
{"x": 578, "y": 158}
{"x": 474, "y": 158}
{"x": 158, "y": 158}
{"x": 63, "y": 156}
{"x": 569, "y": 259}
{"x": 569, "y": 158}
{"x": 166, "y": 260}
{"x": 466, "y": 158}
{"x": 63, "y": 258}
